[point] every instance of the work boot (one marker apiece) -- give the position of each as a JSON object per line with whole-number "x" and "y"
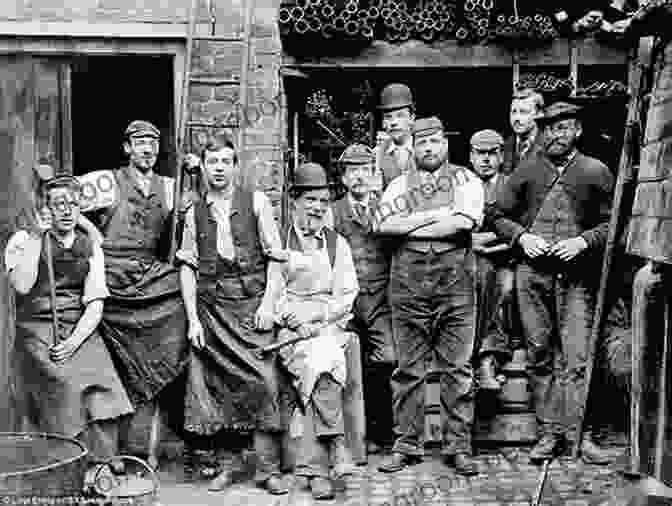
{"x": 591, "y": 453}
{"x": 487, "y": 379}
{"x": 548, "y": 447}
{"x": 463, "y": 464}
{"x": 340, "y": 457}
{"x": 397, "y": 461}
{"x": 321, "y": 488}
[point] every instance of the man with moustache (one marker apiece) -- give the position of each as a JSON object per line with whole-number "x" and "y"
{"x": 431, "y": 212}
{"x": 353, "y": 218}
{"x": 527, "y": 139}
{"x": 144, "y": 323}
{"x": 495, "y": 276}
{"x": 555, "y": 210}
{"x": 394, "y": 154}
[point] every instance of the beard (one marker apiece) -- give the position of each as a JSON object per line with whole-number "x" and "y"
{"x": 431, "y": 163}
{"x": 558, "y": 149}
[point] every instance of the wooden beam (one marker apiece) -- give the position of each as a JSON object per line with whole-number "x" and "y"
{"x": 85, "y": 28}
{"x": 414, "y": 53}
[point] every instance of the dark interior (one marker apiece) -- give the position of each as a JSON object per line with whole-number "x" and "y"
{"x": 108, "y": 92}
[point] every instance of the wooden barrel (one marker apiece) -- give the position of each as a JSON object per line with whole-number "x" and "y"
{"x": 37, "y": 464}
{"x": 650, "y": 225}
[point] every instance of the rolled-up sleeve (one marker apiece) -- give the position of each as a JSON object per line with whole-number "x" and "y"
{"x": 470, "y": 200}
{"x": 345, "y": 285}
{"x": 95, "y": 287}
{"x": 188, "y": 252}
{"x": 16, "y": 248}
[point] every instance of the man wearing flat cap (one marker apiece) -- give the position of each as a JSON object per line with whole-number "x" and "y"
{"x": 495, "y": 277}
{"x": 394, "y": 153}
{"x": 65, "y": 380}
{"x": 144, "y": 322}
{"x": 353, "y": 219}
{"x": 555, "y": 211}
{"x": 431, "y": 212}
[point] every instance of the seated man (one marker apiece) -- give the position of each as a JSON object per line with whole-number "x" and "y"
{"x": 493, "y": 260}
{"x": 319, "y": 286}
{"x": 65, "y": 379}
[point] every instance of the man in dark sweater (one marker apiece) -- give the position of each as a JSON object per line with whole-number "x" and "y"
{"x": 555, "y": 208}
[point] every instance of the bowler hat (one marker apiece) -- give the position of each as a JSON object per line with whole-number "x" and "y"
{"x": 357, "y": 154}
{"x": 395, "y": 96}
{"x": 141, "y": 128}
{"x": 310, "y": 176}
{"x": 486, "y": 139}
{"x": 427, "y": 126}
{"x": 560, "y": 110}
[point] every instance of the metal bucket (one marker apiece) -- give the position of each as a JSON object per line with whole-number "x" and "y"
{"x": 140, "y": 488}
{"x": 40, "y": 464}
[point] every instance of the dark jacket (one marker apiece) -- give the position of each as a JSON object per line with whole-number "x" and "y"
{"x": 587, "y": 180}
{"x": 511, "y": 159}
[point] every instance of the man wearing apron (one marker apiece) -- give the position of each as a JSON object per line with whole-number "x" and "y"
{"x": 66, "y": 383}
{"x": 555, "y": 208}
{"x": 318, "y": 286}
{"x": 353, "y": 218}
{"x": 144, "y": 323}
{"x": 432, "y": 211}
{"x": 230, "y": 307}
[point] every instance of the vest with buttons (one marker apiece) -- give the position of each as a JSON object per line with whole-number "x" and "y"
{"x": 388, "y": 165}
{"x": 555, "y": 220}
{"x": 71, "y": 267}
{"x": 248, "y": 267}
{"x": 368, "y": 251}
{"x": 423, "y": 197}
{"x": 137, "y": 223}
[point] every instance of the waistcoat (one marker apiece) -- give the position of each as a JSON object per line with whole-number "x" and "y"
{"x": 423, "y": 197}
{"x": 71, "y": 267}
{"x": 368, "y": 252}
{"x": 249, "y": 264}
{"x": 555, "y": 220}
{"x": 137, "y": 223}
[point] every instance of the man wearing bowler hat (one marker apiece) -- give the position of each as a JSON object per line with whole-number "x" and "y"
{"x": 432, "y": 212}
{"x": 555, "y": 211}
{"x": 394, "y": 154}
{"x": 353, "y": 219}
{"x": 495, "y": 277}
{"x": 144, "y": 322}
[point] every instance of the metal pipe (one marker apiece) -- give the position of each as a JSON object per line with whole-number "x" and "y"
{"x": 363, "y": 14}
{"x": 351, "y": 7}
{"x": 315, "y": 24}
{"x": 488, "y": 5}
{"x": 309, "y": 11}
{"x": 352, "y": 28}
{"x": 327, "y": 31}
{"x": 297, "y": 13}
{"x": 284, "y": 16}
{"x": 462, "y": 33}
{"x": 405, "y": 34}
{"x": 327, "y": 11}
{"x": 469, "y": 6}
{"x": 386, "y": 12}
{"x": 366, "y": 31}
{"x": 301, "y": 26}
{"x": 374, "y": 12}
{"x": 339, "y": 23}
{"x": 428, "y": 35}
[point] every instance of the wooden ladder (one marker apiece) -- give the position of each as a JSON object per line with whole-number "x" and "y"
{"x": 184, "y": 124}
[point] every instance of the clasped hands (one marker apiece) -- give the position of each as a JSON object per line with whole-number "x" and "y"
{"x": 535, "y": 246}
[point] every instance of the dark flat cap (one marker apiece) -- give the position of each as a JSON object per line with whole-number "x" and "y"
{"x": 486, "y": 139}
{"x": 560, "y": 110}
{"x": 427, "y": 126}
{"x": 310, "y": 176}
{"x": 356, "y": 154}
{"x": 141, "y": 128}
{"x": 395, "y": 96}
{"x": 62, "y": 181}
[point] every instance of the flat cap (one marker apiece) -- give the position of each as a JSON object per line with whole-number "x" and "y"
{"x": 141, "y": 128}
{"x": 62, "y": 181}
{"x": 486, "y": 139}
{"x": 560, "y": 110}
{"x": 311, "y": 176}
{"x": 395, "y": 96}
{"x": 427, "y": 126}
{"x": 356, "y": 154}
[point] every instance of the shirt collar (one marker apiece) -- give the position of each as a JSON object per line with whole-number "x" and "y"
{"x": 353, "y": 202}
{"x": 143, "y": 179}
{"x": 408, "y": 146}
{"x": 299, "y": 233}
{"x": 218, "y": 197}
{"x": 65, "y": 241}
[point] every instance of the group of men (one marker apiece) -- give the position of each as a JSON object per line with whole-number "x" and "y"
{"x": 425, "y": 274}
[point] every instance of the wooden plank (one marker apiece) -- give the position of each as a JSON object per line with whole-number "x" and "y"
{"x": 89, "y": 45}
{"x": 65, "y": 113}
{"x": 449, "y": 53}
{"x": 17, "y": 156}
{"x": 86, "y": 28}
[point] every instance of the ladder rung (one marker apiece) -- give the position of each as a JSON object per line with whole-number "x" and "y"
{"x": 218, "y": 38}
{"x": 213, "y": 81}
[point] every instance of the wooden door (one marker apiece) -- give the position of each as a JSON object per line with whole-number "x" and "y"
{"x": 34, "y": 128}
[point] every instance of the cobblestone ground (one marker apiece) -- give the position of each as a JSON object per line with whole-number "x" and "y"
{"x": 506, "y": 478}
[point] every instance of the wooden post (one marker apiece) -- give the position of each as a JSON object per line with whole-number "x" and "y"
{"x": 574, "y": 65}
{"x": 516, "y": 67}
{"x": 244, "y": 80}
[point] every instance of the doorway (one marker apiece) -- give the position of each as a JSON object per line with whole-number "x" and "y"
{"x": 108, "y": 92}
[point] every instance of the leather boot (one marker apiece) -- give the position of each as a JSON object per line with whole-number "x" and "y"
{"x": 486, "y": 374}
{"x": 591, "y": 453}
{"x": 340, "y": 458}
{"x": 548, "y": 447}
